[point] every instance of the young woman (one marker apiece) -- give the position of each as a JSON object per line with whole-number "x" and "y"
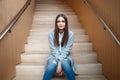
{"x": 60, "y": 60}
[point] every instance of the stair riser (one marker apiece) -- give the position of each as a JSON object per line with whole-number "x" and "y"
{"x": 45, "y": 39}
{"x": 55, "y": 13}
{"x": 70, "y": 18}
{"x": 41, "y": 59}
{"x": 41, "y": 19}
{"x": 51, "y": 26}
{"x": 58, "y": 78}
{"x": 50, "y": 2}
{"x": 42, "y": 35}
{"x": 38, "y": 31}
{"x": 52, "y": 23}
{"x": 55, "y": 5}
{"x": 52, "y": 20}
{"x": 53, "y": 10}
{"x": 45, "y": 47}
{"x": 53, "y": 16}
{"x": 43, "y": 28}
{"x": 83, "y": 69}
{"x": 51, "y": 6}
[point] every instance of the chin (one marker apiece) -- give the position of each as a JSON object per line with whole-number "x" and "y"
{"x": 61, "y": 28}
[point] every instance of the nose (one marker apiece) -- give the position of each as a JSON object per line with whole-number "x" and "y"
{"x": 60, "y": 22}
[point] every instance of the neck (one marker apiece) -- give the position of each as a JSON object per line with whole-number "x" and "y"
{"x": 61, "y": 31}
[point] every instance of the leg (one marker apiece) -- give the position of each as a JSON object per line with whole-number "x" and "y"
{"x": 68, "y": 70}
{"x": 50, "y": 70}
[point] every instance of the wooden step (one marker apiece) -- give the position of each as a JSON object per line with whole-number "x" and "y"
{"x": 46, "y": 4}
{"x": 41, "y": 47}
{"x": 52, "y": 16}
{"x": 44, "y": 38}
{"x": 64, "y": 4}
{"x": 45, "y": 7}
{"x": 53, "y": 23}
{"x": 50, "y": 2}
{"x": 39, "y": 26}
{"x": 40, "y": 31}
{"x": 47, "y": 10}
{"x": 80, "y": 77}
{"x": 54, "y": 2}
{"x": 41, "y": 58}
{"x": 32, "y": 69}
{"x": 39, "y": 6}
{"x": 45, "y": 33}
{"x": 55, "y": 13}
{"x": 53, "y": 19}
{"x": 49, "y": 22}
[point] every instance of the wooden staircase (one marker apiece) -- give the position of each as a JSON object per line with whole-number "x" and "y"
{"x": 37, "y": 49}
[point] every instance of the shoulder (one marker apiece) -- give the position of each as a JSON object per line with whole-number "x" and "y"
{"x": 51, "y": 33}
{"x": 71, "y": 33}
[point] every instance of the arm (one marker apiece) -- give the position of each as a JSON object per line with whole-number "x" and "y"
{"x": 55, "y": 53}
{"x": 67, "y": 49}
{"x": 53, "y": 48}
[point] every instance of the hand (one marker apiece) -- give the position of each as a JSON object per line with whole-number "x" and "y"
{"x": 60, "y": 74}
{"x": 59, "y": 70}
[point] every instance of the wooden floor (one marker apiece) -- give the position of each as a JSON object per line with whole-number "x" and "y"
{"x": 37, "y": 49}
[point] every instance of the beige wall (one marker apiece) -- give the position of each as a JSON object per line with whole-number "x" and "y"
{"x": 109, "y": 10}
{"x": 107, "y": 51}
{"x": 8, "y": 9}
{"x": 12, "y": 45}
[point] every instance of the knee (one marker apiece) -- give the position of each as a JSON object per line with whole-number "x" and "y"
{"x": 51, "y": 67}
{"x": 65, "y": 64}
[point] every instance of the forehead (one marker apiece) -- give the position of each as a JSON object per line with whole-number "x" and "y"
{"x": 60, "y": 18}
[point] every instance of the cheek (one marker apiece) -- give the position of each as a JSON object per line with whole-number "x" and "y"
{"x": 64, "y": 24}
{"x": 58, "y": 24}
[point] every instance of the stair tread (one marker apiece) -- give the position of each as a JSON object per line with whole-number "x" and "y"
{"x": 73, "y": 53}
{"x": 45, "y": 46}
{"x": 25, "y": 69}
{"x": 43, "y": 65}
{"x": 41, "y": 58}
{"x": 79, "y": 77}
{"x": 44, "y": 37}
{"x": 36, "y": 65}
{"x": 48, "y": 29}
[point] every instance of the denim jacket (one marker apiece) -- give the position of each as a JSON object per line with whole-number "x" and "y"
{"x": 65, "y": 52}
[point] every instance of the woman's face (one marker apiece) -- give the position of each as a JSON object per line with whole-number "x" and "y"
{"x": 61, "y": 23}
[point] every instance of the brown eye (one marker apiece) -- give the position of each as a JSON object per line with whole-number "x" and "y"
{"x": 63, "y": 21}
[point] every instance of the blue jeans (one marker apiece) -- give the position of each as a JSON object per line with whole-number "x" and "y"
{"x": 51, "y": 68}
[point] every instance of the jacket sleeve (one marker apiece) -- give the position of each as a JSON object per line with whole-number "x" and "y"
{"x": 54, "y": 51}
{"x": 66, "y": 50}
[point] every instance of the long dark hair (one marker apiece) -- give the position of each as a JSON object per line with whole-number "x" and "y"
{"x": 56, "y": 34}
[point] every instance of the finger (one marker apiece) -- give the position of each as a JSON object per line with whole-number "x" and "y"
{"x": 60, "y": 74}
